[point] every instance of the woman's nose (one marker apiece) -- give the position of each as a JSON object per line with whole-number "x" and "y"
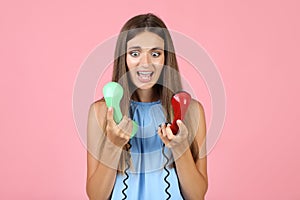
{"x": 145, "y": 60}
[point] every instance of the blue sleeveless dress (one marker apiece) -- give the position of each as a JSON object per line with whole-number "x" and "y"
{"x": 146, "y": 175}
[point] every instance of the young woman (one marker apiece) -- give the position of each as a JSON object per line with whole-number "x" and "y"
{"x": 155, "y": 163}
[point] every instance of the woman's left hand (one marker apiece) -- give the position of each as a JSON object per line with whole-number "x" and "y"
{"x": 177, "y": 143}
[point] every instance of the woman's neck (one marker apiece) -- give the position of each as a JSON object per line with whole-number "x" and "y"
{"x": 148, "y": 95}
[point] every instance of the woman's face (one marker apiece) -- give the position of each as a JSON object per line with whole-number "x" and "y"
{"x": 145, "y": 59}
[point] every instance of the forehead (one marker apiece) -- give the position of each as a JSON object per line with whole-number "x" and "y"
{"x": 146, "y": 40}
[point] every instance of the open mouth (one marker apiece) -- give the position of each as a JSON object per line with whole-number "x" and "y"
{"x": 145, "y": 76}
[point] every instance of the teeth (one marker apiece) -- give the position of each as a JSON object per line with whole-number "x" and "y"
{"x": 144, "y": 73}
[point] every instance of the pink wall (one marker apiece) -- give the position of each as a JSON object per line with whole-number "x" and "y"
{"x": 255, "y": 45}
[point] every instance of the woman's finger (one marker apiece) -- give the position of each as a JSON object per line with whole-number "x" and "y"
{"x": 182, "y": 127}
{"x": 110, "y": 117}
{"x": 163, "y": 129}
{"x": 126, "y": 126}
{"x": 169, "y": 132}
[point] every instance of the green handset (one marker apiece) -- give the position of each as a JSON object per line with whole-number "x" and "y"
{"x": 113, "y": 93}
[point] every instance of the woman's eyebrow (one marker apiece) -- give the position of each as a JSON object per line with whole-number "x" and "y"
{"x": 138, "y": 47}
{"x": 157, "y": 48}
{"x": 135, "y": 47}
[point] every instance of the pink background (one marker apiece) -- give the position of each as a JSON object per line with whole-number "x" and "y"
{"x": 255, "y": 45}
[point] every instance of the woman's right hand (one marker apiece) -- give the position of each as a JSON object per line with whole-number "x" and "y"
{"x": 118, "y": 134}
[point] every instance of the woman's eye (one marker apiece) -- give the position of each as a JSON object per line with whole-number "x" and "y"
{"x": 155, "y": 54}
{"x": 134, "y": 53}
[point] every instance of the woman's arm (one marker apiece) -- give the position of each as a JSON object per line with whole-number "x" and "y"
{"x": 192, "y": 176}
{"x": 102, "y": 169}
{"x": 100, "y": 180}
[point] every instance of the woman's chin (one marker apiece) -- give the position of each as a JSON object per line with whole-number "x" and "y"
{"x": 145, "y": 86}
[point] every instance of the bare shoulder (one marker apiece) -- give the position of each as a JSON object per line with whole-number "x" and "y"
{"x": 198, "y": 110}
{"x": 98, "y": 105}
{"x": 98, "y": 110}
{"x": 197, "y": 106}
{"x": 198, "y": 116}
{"x": 95, "y": 128}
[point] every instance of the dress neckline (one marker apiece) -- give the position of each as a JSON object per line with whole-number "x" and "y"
{"x": 145, "y": 103}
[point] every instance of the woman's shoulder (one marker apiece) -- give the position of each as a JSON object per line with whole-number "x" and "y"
{"x": 99, "y": 105}
{"x": 196, "y": 105}
{"x": 99, "y": 109}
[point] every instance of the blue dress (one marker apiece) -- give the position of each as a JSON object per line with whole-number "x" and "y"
{"x": 146, "y": 175}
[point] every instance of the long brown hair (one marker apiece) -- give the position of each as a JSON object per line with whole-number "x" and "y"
{"x": 169, "y": 81}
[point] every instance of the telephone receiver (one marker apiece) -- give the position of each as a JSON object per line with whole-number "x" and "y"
{"x": 180, "y": 102}
{"x": 113, "y": 93}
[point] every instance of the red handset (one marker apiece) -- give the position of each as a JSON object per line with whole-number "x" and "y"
{"x": 180, "y": 103}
